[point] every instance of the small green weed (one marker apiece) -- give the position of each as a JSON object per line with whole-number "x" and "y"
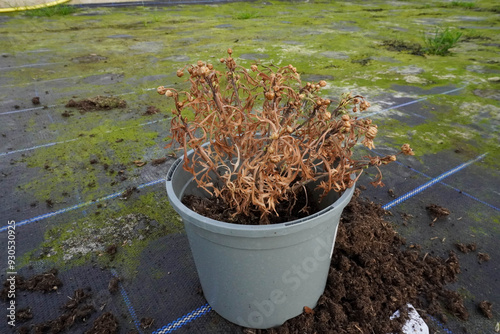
{"x": 246, "y": 15}
{"x": 441, "y": 41}
{"x": 58, "y": 10}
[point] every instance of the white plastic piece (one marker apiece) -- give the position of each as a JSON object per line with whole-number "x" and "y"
{"x": 414, "y": 325}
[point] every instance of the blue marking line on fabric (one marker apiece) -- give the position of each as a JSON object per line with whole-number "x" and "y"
{"x": 452, "y": 187}
{"x": 78, "y": 206}
{"x": 408, "y": 103}
{"x": 431, "y": 182}
{"x": 130, "y": 308}
{"x": 444, "y": 184}
{"x": 174, "y": 325}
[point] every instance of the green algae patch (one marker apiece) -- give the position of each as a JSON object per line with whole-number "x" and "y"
{"x": 460, "y": 123}
{"x": 83, "y": 159}
{"x": 114, "y": 237}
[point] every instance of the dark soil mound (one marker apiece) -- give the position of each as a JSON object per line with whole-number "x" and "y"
{"x": 97, "y": 103}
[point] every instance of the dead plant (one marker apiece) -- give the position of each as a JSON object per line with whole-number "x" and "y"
{"x": 269, "y": 135}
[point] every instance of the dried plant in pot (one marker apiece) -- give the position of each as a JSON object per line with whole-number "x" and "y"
{"x": 262, "y": 146}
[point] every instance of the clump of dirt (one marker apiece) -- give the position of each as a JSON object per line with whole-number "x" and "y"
{"x": 104, "y": 324}
{"x": 151, "y": 110}
{"x": 159, "y": 161}
{"x": 44, "y": 282}
{"x": 75, "y": 310}
{"x": 35, "y": 100}
{"x": 372, "y": 275}
{"x": 129, "y": 192}
{"x": 24, "y": 314}
{"x": 486, "y": 309}
{"x": 218, "y": 210}
{"x": 97, "y": 103}
{"x": 66, "y": 114}
{"x": 113, "y": 285}
{"x": 406, "y": 47}
{"x": 147, "y": 323}
{"x": 437, "y": 211}
{"x": 466, "y": 248}
{"x": 483, "y": 257}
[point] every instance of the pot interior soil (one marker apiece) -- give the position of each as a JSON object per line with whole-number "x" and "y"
{"x": 218, "y": 210}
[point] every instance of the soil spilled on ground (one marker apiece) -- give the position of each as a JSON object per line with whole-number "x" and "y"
{"x": 97, "y": 103}
{"x": 78, "y": 309}
{"x": 372, "y": 275}
{"x": 45, "y": 282}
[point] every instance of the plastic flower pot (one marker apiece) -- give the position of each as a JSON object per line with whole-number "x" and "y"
{"x": 259, "y": 276}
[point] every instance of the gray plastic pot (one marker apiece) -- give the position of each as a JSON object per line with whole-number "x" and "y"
{"x": 259, "y": 276}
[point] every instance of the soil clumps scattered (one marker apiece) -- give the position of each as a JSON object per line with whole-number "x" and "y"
{"x": 151, "y": 110}
{"x": 466, "y": 248}
{"x": 97, "y": 103}
{"x": 486, "y": 309}
{"x": 437, "y": 211}
{"x": 45, "y": 282}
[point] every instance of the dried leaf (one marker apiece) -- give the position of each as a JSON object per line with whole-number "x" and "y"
{"x": 139, "y": 163}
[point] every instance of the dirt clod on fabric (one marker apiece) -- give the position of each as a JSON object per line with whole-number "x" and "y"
{"x": 97, "y": 103}
{"x": 24, "y": 314}
{"x": 74, "y": 311}
{"x": 151, "y": 110}
{"x": 372, "y": 275}
{"x": 44, "y": 282}
{"x": 147, "y": 323}
{"x": 486, "y": 309}
{"x": 106, "y": 323}
{"x": 466, "y": 248}
{"x": 113, "y": 285}
{"x": 159, "y": 161}
{"x": 483, "y": 257}
{"x": 437, "y": 211}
